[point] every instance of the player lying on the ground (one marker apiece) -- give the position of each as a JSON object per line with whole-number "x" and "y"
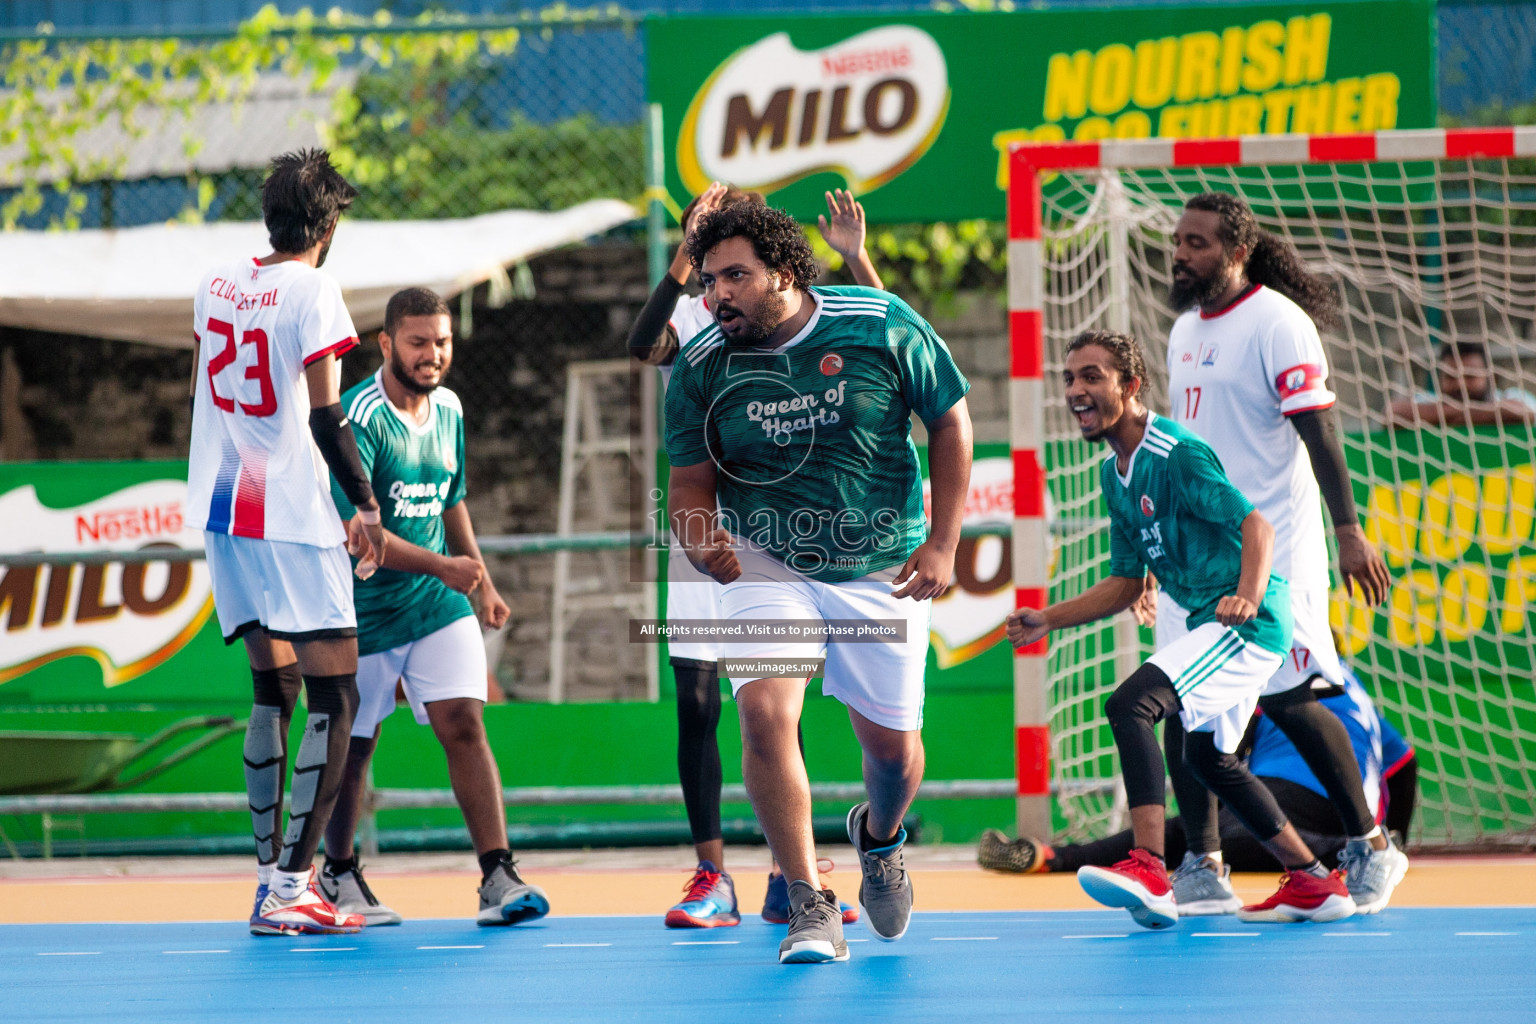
{"x": 668, "y": 324}
{"x": 796, "y": 484}
{"x": 269, "y": 332}
{"x": 1388, "y": 771}
{"x": 415, "y": 623}
{"x": 1173, "y": 511}
{"x": 1248, "y": 374}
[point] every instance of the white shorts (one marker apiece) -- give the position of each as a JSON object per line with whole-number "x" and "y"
{"x": 881, "y": 681}
{"x": 1218, "y": 676}
{"x": 1312, "y": 652}
{"x": 690, "y": 595}
{"x": 442, "y": 665}
{"x": 295, "y": 591}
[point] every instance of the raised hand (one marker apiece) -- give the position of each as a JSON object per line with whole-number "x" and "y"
{"x": 845, "y": 230}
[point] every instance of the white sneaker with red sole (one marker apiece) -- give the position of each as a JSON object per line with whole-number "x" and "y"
{"x": 1303, "y": 897}
{"x": 308, "y": 913}
{"x": 1139, "y": 884}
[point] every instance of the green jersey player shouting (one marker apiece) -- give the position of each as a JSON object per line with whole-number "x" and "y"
{"x": 1172, "y": 510}
{"x": 796, "y": 484}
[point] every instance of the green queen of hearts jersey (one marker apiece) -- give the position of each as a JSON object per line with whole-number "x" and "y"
{"x": 417, "y": 472}
{"x": 1176, "y": 513}
{"x": 811, "y": 441}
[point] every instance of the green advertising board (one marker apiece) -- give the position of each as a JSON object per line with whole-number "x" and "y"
{"x": 72, "y": 634}
{"x": 915, "y": 112}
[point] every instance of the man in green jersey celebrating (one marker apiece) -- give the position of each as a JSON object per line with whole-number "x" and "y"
{"x": 796, "y": 484}
{"x": 1173, "y": 510}
{"x": 415, "y": 624}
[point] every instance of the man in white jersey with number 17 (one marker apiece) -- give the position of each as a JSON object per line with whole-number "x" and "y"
{"x": 267, "y": 434}
{"x": 1247, "y": 372}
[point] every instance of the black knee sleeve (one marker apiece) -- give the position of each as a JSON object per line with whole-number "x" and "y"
{"x": 277, "y": 687}
{"x": 318, "y": 766}
{"x": 1323, "y": 743}
{"x": 698, "y": 748}
{"x": 1226, "y": 776}
{"x": 1197, "y": 805}
{"x": 1138, "y": 704}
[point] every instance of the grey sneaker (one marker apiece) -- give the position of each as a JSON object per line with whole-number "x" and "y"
{"x": 1372, "y": 874}
{"x": 815, "y": 927}
{"x": 886, "y": 891}
{"x": 351, "y": 895}
{"x": 1202, "y": 888}
{"x": 507, "y": 899}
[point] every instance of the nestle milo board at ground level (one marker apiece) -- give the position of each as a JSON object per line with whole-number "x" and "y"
{"x": 915, "y": 112}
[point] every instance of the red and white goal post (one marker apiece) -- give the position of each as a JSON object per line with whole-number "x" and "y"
{"x": 1431, "y": 238}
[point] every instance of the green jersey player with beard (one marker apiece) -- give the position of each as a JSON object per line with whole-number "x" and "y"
{"x": 795, "y": 483}
{"x": 416, "y": 624}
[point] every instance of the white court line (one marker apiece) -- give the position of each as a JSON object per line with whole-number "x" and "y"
{"x": 963, "y": 938}
{"x": 94, "y": 952}
{"x": 1487, "y": 933}
{"x": 712, "y": 942}
{"x": 574, "y": 945}
{"x": 1225, "y": 935}
{"x": 450, "y": 947}
{"x": 1119, "y": 935}
{"x": 322, "y": 949}
{"x": 190, "y": 952}
{"x": 856, "y": 940}
{"x": 1351, "y": 934}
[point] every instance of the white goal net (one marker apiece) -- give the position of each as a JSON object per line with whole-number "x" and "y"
{"x": 1435, "y": 264}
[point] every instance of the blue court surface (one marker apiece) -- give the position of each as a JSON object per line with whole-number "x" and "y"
{"x": 1401, "y": 965}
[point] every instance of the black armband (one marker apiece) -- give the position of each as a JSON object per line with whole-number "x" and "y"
{"x": 1319, "y": 431}
{"x": 333, "y": 436}
{"x": 652, "y": 339}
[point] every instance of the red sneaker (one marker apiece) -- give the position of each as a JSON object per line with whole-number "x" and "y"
{"x": 1303, "y": 897}
{"x": 308, "y": 913}
{"x": 1139, "y": 884}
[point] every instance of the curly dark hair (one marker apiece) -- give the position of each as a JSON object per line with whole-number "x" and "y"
{"x": 775, "y": 236}
{"x": 1123, "y": 348}
{"x": 1272, "y": 261}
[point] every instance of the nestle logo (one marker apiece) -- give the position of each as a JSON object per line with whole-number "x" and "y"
{"x": 133, "y": 523}
{"x": 865, "y": 62}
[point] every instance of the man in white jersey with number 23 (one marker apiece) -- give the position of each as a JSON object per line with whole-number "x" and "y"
{"x": 268, "y": 432}
{"x": 1248, "y": 373}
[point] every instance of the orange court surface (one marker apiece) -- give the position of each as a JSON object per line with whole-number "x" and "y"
{"x": 632, "y": 882}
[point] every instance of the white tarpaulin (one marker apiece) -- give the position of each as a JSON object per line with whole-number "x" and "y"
{"x": 136, "y": 284}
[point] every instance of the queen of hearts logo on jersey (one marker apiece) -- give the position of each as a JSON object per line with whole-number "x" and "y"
{"x": 831, "y": 364}
{"x": 1147, "y": 508}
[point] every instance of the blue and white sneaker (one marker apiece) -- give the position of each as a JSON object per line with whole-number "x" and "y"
{"x": 709, "y": 901}
{"x": 261, "y": 897}
{"x": 776, "y": 899}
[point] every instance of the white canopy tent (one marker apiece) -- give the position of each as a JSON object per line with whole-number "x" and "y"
{"x": 136, "y": 284}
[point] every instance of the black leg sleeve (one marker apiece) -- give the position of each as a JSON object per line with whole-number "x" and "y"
{"x": 1323, "y": 743}
{"x": 1227, "y": 777}
{"x": 698, "y": 749}
{"x": 318, "y": 766}
{"x": 1110, "y": 851}
{"x": 1402, "y": 795}
{"x": 1138, "y": 704}
{"x": 1197, "y": 805}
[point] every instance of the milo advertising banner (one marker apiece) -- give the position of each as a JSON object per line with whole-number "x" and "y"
{"x": 915, "y": 113}
{"x": 140, "y": 631}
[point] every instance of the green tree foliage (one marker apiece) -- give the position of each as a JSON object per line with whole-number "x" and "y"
{"x": 403, "y": 128}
